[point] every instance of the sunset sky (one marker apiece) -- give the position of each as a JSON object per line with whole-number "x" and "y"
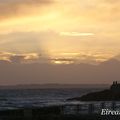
{"x": 59, "y": 41}
{"x": 56, "y": 31}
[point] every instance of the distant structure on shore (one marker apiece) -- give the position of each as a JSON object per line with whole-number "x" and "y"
{"x": 115, "y": 86}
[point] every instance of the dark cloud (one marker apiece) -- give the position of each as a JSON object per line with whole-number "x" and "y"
{"x": 17, "y": 58}
{"x": 11, "y": 8}
{"x": 24, "y": 58}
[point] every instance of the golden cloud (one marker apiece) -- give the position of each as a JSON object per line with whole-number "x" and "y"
{"x": 19, "y": 58}
{"x": 64, "y": 58}
{"x": 75, "y": 34}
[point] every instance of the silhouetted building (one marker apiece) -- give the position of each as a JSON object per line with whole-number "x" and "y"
{"x": 115, "y": 86}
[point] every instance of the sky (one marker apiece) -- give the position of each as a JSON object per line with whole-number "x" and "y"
{"x": 59, "y": 32}
{"x": 71, "y": 29}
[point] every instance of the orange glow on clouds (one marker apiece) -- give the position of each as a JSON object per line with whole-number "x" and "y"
{"x": 60, "y": 29}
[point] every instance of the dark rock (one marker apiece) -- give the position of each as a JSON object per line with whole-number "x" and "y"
{"x": 112, "y": 94}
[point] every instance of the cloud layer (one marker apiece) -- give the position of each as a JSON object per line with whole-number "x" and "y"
{"x": 36, "y": 73}
{"x": 89, "y": 26}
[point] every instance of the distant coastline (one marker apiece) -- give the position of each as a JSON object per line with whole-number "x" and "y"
{"x": 53, "y": 86}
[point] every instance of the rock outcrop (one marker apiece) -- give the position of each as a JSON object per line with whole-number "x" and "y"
{"x": 112, "y": 94}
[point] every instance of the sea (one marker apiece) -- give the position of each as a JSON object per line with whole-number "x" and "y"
{"x": 25, "y": 98}
{"x": 29, "y": 98}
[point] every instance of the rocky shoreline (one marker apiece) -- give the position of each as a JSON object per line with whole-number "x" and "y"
{"x": 112, "y": 94}
{"x": 105, "y": 95}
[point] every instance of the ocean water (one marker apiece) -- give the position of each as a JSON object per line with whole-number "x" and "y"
{"x": 22, "y": 98}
